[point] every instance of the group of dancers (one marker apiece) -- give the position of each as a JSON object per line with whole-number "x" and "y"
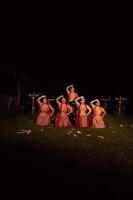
{"x": 73, "y": 111}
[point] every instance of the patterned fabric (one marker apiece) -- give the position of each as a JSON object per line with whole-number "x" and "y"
{"x": 43, "y": 118}
{"x": 82, "y": 120}
{"x": 97, "y": 118}
{"x": 72, "y": 96}
{"x": 62, "y": 119}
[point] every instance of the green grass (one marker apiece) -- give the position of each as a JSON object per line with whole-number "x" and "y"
{"x": 113, "y": 153}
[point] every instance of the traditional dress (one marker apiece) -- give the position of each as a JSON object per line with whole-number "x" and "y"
{"x": 82, "y": 120}
{"x": 62, "y": 119}
{"x": 97, "y": 117}
{"x": 72, "y": 96}
{"x": 43, "y": 118}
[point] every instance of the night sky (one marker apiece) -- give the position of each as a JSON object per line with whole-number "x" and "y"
{"x": 93, "y": 55}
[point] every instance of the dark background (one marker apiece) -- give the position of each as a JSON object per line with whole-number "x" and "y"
{"x": 92, "y": 52}
{"x": 90, "y": 48}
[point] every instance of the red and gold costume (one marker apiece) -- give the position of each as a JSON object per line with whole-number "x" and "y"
{"x": 62, "y": 119}
{"x": 43, "y": 118}
{"x": 81, "y": 116}
{"x": 97, "y": 117}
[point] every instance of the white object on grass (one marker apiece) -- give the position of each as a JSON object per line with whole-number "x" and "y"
{"x": 74, "y": 135}
{"x": 42, "y": 130}
{"x": 72, "y": 129}
{"x": 23, "y": 131}
{"x": 88, "y": 135}
{"x": 79, "y": 132}
{"x": 99, "y": 136}
{"x": 29, "y": 132}
{"x": 121, "y": 125}
{"x": 68, "y": 133}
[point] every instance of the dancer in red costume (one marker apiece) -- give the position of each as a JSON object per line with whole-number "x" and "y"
{"x": 83, "y": 111}
{"x": 46, "y": 112}
{"x": 72, "y": 95}
{"x": 62, "y": 119}
{"x": 98, "y": 114}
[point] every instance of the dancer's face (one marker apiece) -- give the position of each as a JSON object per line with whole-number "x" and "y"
{"x": 82, "y": 100}
{"x": 72, "y": 89}
{"x": 98, "y": 103}
{"x": 45, "y": 100}
{"x": 63, "y": 100}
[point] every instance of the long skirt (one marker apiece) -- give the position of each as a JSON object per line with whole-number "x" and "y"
{"x": 97, "y": 122}
{"x": 82, "y": 121}
{"x": 62, "y": 120}
{"x": 43, "y": 119}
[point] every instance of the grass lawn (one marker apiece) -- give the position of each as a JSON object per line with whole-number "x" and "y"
{"x": 65, "y": 157}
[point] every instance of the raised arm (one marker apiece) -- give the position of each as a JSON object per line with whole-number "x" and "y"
{"x": 76, "y": 100}
{"x": 58, "y": 99}
{"x": 67, "y": 88}
{"x": 92, "y": 102}
{"x": 52, "y": 109}
{"x": 39, "y": 99}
